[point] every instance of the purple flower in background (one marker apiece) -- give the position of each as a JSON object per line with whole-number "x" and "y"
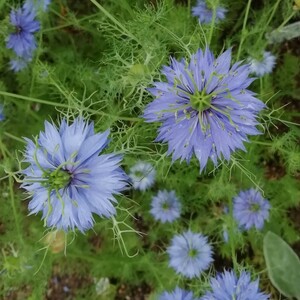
{"x": 177, "y": 294}
{"x": 263, "y": 66}
{"x": 250, "y": 209}
{"x": 68, "y": 179}
{"x": 2, "y": 117}
{"x": 142, "y": 175}
{"x": 22, "y": 41}
{"x": 165, "y": 206}
{"x": 228, "y": 286}
{"x": 19, "y": 63}
{"x": 190, "y": 254}
{"x": 37, "y": 4}
{"x": 204, "y": 11}
{"x": 204, "y": 107}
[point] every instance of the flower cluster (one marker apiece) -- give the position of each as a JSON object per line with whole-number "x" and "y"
{"x": 227, "y": 286}
{"x": 204, "y": 11}
{"x": 204, "y": 107}
{"x": 68, "y": 179}
{"x": 190, "y": 254}
{"x": 25, "y": 25}
{"x": 250, "y": 209}
{"x": 165, "y": 206}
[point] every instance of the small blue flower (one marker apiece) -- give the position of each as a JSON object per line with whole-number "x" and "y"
{"x": 204, "y": 107}
{"x": 37, "y": 4}
{"x": 227, "y": 286}
{"x": 22, "y": 41}
{"x": 165, "y": 206}
{"x": 204, "y": 11}
{"x": 2, "y": 117}
{"x": 142, "y": 176}
{"x": 177, "y": 294}
{"x": 68, "y": 179}
{"x": 263, "y": 66}
{"x": 19, "y": 63}
{"x": 190, "y": 254}
{"x": 250, "y": 209}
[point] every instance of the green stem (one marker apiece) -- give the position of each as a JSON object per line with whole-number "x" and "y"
{"x": 243, "y": 29}
{"x": 213, "y": 21}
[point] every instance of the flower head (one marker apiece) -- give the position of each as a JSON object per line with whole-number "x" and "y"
{"x": 227, "y": 286}
{"x": 190, "y": 254}
{"x": 19, "y": 63}
{"x": 165, "y": 206}
{"x": 204, "y": 107}
{"x": 2, "y": 117}
{"x": 250, "y": 209}
{"x": 142, "y": 175}
{"x": 68, "y": 179}
{"x": 264, "y": 65}
{"x": 204, "y": 11}
{"x": 177, "y": 294}
{"x": 22, "y": 41}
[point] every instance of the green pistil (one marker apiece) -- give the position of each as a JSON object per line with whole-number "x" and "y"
{"x": 255, "y": 207}
{"x": 165, "y": 206}
{"x": 57, "y": 179}
{"x": 200, "y": 101}
{"x": 193, "y": 253}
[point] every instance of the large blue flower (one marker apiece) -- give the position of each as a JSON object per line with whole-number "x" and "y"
{"x": 204, "y": 107}
{"x": 68, "y": 179}
{"x": 204, "y": 12}
{"x": 177, "y": 294}
{"x": 190, "y": 254}
{"x": 250, "y": 209}
{"x": 165, "y": 206}
{"x": 227, "y": 286}
{"x": 22, "y": 41}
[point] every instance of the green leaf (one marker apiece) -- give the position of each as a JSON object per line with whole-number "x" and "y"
{"x": 283, "y": 265}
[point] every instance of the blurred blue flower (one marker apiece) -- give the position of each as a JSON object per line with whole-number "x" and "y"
{"x": 142, "y": 175}
{"x": 68, "y": 179}
{"x": 2, "y": 117}
{"x": 22, "y": 41}
{"x": 177, "y": 294}
{"x": 250, "y": 209}
{"x": 165, "y": 206}
{"x": 37, "y": 4}
{"x": 204, "y": 107}
{"x": 190, "y": 254}
{"x": 204, "y": 11}
{"x": 227, "y": 286}
{"x": 263, "y": 66}
{"x": 19, "y": 63}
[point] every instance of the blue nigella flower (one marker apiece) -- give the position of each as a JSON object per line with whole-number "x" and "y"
{"x": 227, "y": 286}
{"x": 68, "y": 179}
{"x": 165, "y": 206}
{"x": 190, "y": 254}
{"x": 204, "y": 107}
{"x": 263, "y": 66}
{"x": 177, "y": 294}
{"x": 250, "y": 209}
{"x": 2, "y": 117}
{"x": 142, "y": 175}
{"x": 204, "y": 11}
{"x": 37, "y": 4}
{"x": 22, "y": 41}
{"x": 19, "y": 63}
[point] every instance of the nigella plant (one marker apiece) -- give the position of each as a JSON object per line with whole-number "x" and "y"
{"x": 142, "y": 175}
{"x": 204, "y": 107}
{"x": 227, "y": 286}
{"x": 165, "y": 206}
{"x": 68, "y": 179}
{"x": 204, "y": 11}
{"x": 250, "y": 209}
{"x": 263, "y": 66}
{"x": 190, "y": 254}
{"x": 177, "y": 294}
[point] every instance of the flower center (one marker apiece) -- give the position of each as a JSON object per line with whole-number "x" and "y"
{"x": 139, "y": 174}
{"x": 255, "y": 207}
{"x": 19, "y": 29}
{"x": 165, "y": 206}
{"x": 57, "y": 179}
{"x": 193, "y": 253}
{"x": 200, "y": 101}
